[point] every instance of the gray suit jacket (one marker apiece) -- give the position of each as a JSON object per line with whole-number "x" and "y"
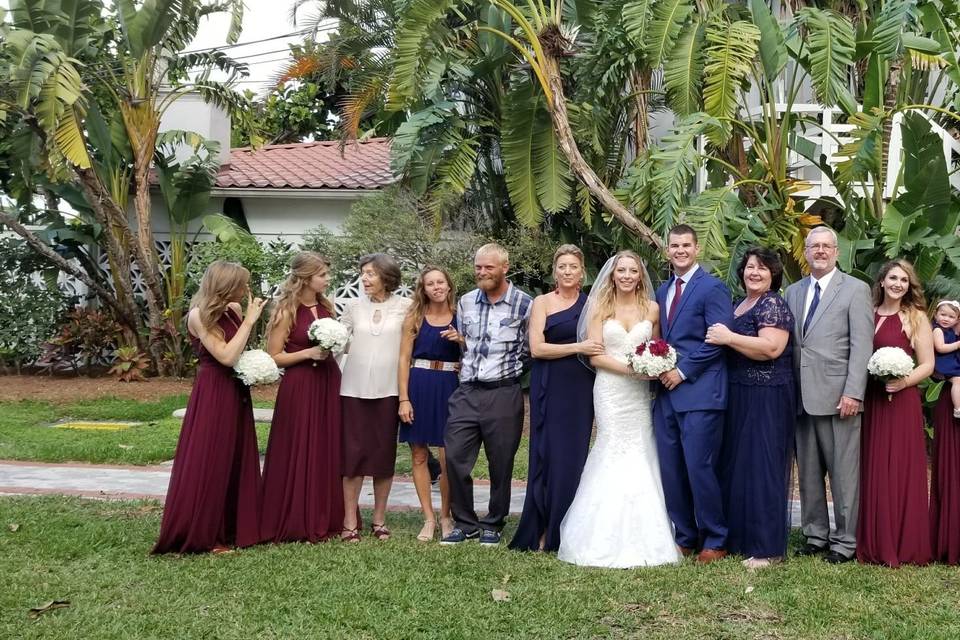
{"x": 831, "y": 359}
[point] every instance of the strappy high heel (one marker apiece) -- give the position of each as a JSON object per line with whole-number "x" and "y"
{"x": 380, "y": 531}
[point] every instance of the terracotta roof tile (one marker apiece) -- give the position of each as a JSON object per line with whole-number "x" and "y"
{"x": 310, "y": 165}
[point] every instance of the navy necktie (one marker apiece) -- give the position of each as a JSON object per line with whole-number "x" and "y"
{"x": 813, "y": 307}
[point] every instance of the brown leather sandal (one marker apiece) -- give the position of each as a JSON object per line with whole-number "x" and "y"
{"x": 350, "y": 535}
{"x": 380, "y": 531}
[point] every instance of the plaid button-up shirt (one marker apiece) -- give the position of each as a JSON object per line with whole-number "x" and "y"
{"x": 497, "y": 344}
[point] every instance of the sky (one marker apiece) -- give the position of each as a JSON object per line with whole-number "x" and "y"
{"x": 262, "y": 19}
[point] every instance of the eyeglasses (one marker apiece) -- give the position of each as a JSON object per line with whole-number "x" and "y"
{"x": 821, "y": 247}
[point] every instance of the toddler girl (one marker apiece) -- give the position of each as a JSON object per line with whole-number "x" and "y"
{"x": 946, "y": 344}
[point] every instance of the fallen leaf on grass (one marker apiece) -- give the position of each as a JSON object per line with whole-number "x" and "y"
{"x": 48, "y": 606}
{"x": 506, "y": 578}
{"x": 125, "y": 446}
{"x": 13, "y": 527}
{"x": 748, "y": 590}
{"x": 499, "y": 595}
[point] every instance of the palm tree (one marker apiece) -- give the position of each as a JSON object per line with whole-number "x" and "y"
{"x": 58, "y": 71}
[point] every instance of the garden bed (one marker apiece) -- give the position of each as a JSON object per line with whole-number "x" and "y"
{"x": 61, "y": 388}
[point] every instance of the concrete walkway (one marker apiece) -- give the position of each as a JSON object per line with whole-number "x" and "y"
{"x": 150, "y": 482}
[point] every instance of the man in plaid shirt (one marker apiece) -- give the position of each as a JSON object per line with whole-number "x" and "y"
{"x": 487, "y": 407}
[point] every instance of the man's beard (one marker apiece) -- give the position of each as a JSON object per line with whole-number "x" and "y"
{"x": 489, "y": 284}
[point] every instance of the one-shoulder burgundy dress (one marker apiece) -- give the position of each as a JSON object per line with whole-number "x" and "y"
{"x": 214, "y": 494}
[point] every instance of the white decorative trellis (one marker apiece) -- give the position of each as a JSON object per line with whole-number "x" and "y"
{"x": 74, "y": 287}
{"x": 354, "y": 289}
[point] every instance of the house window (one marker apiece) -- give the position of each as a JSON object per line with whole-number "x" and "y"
{"x": 233, "y": 209}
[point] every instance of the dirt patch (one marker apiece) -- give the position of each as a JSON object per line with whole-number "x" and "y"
{"x": 70, "y": 388}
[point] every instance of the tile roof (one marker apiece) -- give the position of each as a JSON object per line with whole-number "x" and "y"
{"x": 309, "y": 165}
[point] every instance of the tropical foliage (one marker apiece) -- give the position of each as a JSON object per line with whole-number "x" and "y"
{"x": 83, "y": 86}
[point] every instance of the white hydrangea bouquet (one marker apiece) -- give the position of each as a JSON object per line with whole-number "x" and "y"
{"x": 328, "y": 334}
{"x": 889, "y": 363}
{"x": 652, "y": 358}
{"x": 256, "y": 367}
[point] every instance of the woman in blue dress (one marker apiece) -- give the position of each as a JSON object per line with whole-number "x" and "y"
{"x": 561, "y": 405}
{"x": 429, "y": 363}
{"x": 757, "y": 452}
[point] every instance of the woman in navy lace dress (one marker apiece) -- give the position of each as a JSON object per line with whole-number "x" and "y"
{"x": 756, "y": 456}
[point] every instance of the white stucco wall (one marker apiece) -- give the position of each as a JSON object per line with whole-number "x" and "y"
{"x": 291, "y": 214}
{"x": 190, "y": 113}
{"x": 271, "y": 214}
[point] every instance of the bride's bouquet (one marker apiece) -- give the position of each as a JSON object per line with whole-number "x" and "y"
{"x": 256, "y": 367}
{"x": 889, "y": 363}
{"x": 652, "y": 358}
{"x": 328, "y": 334}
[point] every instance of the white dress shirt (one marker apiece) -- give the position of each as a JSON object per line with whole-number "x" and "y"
{"x": 823, "y": 282}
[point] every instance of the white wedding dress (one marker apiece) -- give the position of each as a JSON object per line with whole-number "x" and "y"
{"x": 618, "y": 517}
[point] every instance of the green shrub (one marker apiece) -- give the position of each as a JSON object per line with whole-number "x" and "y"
{"x": 30, "y": 312}
{"x": 391, "y": 221}
{"x": 267, "y": 264}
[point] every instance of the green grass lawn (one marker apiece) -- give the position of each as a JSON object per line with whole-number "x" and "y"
{"x": 94, "y": 554}
{"x": 26, "y": 434}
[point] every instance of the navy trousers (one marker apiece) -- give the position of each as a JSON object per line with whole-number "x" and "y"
{"x": 688, "y": 445}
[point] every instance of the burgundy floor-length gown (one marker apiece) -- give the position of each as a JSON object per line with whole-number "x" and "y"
{"x": 302, "y": 490}
{"x": 945, "y": 487}
{"x": 894, "y": 525}
{"x": 213, "y": 499}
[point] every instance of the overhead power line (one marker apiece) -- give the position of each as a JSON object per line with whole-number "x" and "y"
{"x": 278, "y": 37}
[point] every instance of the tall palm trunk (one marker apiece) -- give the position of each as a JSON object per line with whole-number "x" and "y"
{"x": 890, "y": 99}
{"x": 641, "y": 129}
{"x": 142, "y": 123}
{"x": 116, "y": 243}
{"x": 580, "y": 167}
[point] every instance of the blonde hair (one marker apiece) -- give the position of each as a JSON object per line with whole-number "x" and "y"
{"x": 913, "y": 303}
{"x": 218, "y": 288}
{"x": 492, "y": 248}
{"x": 567, "y": 250}
{"x": 421, "y": 300}
{"x": 606, "y": 298}
{"x": 303, "y": 266}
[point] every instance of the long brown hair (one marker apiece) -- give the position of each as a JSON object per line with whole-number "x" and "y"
{"x": 913, "y": 303}
{"x": 219, "y": 287}
{"x": 606, "y": 299}
{"x": 303, "y": 266}
{"x": 421, "y": 301}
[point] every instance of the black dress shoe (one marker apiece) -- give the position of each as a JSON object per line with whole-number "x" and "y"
{"x": 811, "y": 550}
{"x": 836, "y": 558}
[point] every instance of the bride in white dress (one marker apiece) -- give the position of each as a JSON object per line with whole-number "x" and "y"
{"x": 618, "y": 517}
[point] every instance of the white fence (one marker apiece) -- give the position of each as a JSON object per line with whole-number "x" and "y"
{"x": 829, "y": 136}
{"x": 73, "y": 287}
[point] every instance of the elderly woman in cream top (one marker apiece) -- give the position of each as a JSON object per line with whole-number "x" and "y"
{"x": 369, "y": 391}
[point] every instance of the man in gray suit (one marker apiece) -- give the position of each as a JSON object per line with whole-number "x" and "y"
{"x": 834, "y": 338}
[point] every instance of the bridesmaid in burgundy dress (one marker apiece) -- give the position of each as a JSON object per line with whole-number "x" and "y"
{"x": 302, "y": 493}
{"x": 213, "y": 501}
{"x": 945, "y": 484}
{"x": 894, "y": 526}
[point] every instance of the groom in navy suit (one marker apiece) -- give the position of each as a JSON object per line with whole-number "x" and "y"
{"x": 689, "y": 410}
